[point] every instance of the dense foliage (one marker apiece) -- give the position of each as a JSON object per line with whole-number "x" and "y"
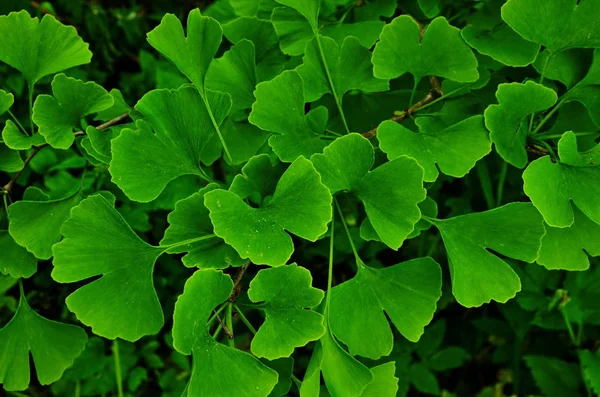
{"x": 300, "y": 197}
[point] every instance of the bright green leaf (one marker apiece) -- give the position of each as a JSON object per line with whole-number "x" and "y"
{"x": 232, "y": 372}
{"x": 508, "y": 121}
{"x": 53, "y": 345}
{"x": 98, "y": 242}
{"x": 15, "y": 260}
{"x": 58, "y": 115}
{"x": 390, "y": 193}
{"x": 478, "y": 276}
{"x": 552, "y": 187}
{"x": 190, "y": 221}
{"x": 455, "y": 149}
{"x": 286, "y": 293}
{"x": 385, "y": 383}
{"x": 407, "y": 292}
{"x": 15, "y": 139}
{"x": 38, "y": 49}
{"x": 301, "y": 205}
{"x": 6, "y": 101}
{"x": 10, "y": 160}
{"x": 591, "y": 368}
{"x": 441, "y": 52}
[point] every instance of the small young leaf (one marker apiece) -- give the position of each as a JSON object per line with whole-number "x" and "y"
{"x": 286, "y": 291}
{"x": 38, "y": 49}
{"x": 390, "y": 193}
{"x": 279, "y": 108}
{"x": 6, "y": 101}
{"x": 508, "y": 121}
{"x": 478, "y": 276}
{"x": 441, "y": 52}
{"x": 98, "y": 242}
{"x": 233, "y": 372}
{"x": 190, "y": 221}
{"x": 57, "y": 115}
{"x": 301, "y": 204}
{"x": 53, "y": 345}
{"x": 552, "y": 187}
{"x": 455, "y": 149}
{"x": 407, "y": 292}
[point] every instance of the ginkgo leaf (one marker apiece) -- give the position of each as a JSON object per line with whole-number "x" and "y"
{"x": 441, "y": 52}
{"x": 15, "y": 261}
{"x": 407, "y": 292}
{"x": 71, "y": 100}
{"x": 235, "y": 74}
{"x": 98, "y": 242}
{"x": 258, "y": 179}
{"x": 343, "y": 374}
{"x": 478, "y": 276}
{"x": 190, "y": 221}
{"x": 301, "y": 205}
{"x": 568, "y": 248}
{"x": 285, "y": 293}
{"x": 568, "y": 66}
{"x": 553, "y": 186}
{"x": 279, "y": 108}
{"x": 6, "y": 101}
{"x": 260, "y": 8}
{"x": 15, "y": 139}
{"x": 455, "y": 149}
{"x": 489, "y": 35}
{"x": 144, "y": 162}
{"x": 557, "y": 25}
{"x": 35, "y": 225}
{"x": 38, "y": 49}
{"x": 349, "y": 66}
{"x": 385, "y": 383}
{"x": 53, "y": 345}
{"x": 309, "y": 9}
{"x": 232, "y": 372}
{"x": 10, "y": 160}
{"x": 508, "y": 121}
{"x": 590, "y": 364}
{"x": 390, "y": 193}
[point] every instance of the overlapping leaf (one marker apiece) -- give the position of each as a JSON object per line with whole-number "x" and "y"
{"x": 407, "y": 292}
{"x": 478, "y": 276}
{"x": 286, "y": 293}
{"x": 301, "y": 205}
{"x": 98, "y": 242}
{"x": 38, "y": 49}
{"x": 189, "y": 222}
{"x": 279, "y": 108}
{"x": 15, "y": 261}
{"x": 441, "y": 52}
{"x": 455, "y": 149}
{"x": 553, "y": 186}
{"x": 390, "y": 193}
{"x": 508, "y": 122}
{"x": 58, "y": 115}
{"x": 53, "y": 345}
{"x": 233, "y": 372}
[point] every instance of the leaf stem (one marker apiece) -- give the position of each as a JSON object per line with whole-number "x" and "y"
{"x": 30, "y": 89}
{"x": 17, "y": 122}
{"x": 117, "y": 358}
{"x": 343, "y": 219}
{"x": 554, "y": 136}
{"x": 501, "y": 180}
{"x": 190, "y": 241}
{"x": 548, "y": 116}
{"x": 229, "y": 323}
{"x": 216, "y": 126}
{"x": 215, "y": 314}
{"x": 245, "y": 319}
{"x": 486, "y": 183}
{"x": 568, "y": 326}
{"x": 413, "y": 92}
{"x": 338, "y": 100}
{"x": 330, "y": 264}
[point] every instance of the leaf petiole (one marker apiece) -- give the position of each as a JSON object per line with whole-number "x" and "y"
{"x": 190, "y": 241}
{"x": 245, "y": 319}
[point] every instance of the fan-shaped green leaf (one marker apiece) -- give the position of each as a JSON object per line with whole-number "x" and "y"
{"x": 15, "y": 139}
{"x": 15, "y": 260}
{"x": 190, "y": 221}
{"x": 301, "y": 204}
{"x": 53, "y": 345}
{"x": 407, "y": 292}
{"x": 232, "y": 372}
{"x": 390, "y": 193}
{"x": 38, "y": 49}
{"x": 286, "y": 293}
{"x": 455, "y": 149}
{"x": 10, "y": 160}
{"x": 6, "y": 101}
{"x": 508, "y": 122}
{"x": 98, "y": 242}
{"x": 57, "y": 115}
{"x": 441, "y": 52}
{"x": 478, "y": 276}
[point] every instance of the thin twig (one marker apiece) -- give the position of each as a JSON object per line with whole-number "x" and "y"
{"x": 36, "y": 149}
{"x": 237, "y": 286}
{"x": 222, "y": 324}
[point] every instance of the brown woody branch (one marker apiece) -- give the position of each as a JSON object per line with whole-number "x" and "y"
{"x": 8, "y": 187}
{"x": 237, "y": 286}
